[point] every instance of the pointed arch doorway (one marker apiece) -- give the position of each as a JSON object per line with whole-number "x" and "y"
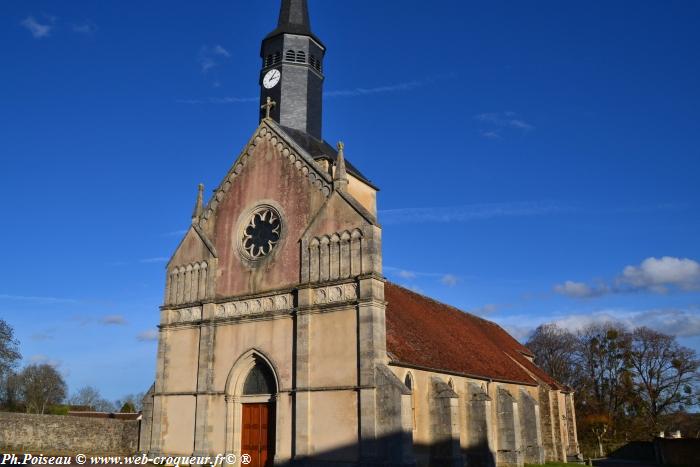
{"x": 258, "y": 423}
{"x": 252, "y": 410}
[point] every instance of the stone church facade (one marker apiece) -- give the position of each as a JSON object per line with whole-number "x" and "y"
{"x": 280, "y": 337}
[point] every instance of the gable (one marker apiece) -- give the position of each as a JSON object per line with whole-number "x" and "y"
{"x": 195, "y": 246}
{"x": 275, "y": 172}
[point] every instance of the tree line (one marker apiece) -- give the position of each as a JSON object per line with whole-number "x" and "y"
{"x": 40, "y": 388}
{"x": 629, "y": 384}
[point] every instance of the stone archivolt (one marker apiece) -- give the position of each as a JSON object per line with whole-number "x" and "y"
{"x": 255, "y": 306}
{"x": 187, "y": 284}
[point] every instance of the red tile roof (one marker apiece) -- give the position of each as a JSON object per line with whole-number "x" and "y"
{"x": 425, "y": 333}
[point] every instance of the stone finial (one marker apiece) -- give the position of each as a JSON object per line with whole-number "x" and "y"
{"x": 340, "y": 178}
{"x": 198, "y": 207}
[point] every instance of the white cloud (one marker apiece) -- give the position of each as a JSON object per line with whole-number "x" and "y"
{"x": 492, "y": 134}
{"x": 209, "y": 61}
{"x": 38, "y": 30}
{"x": 219, "y": 100}
{"x": 501, "y": 120}
{"x": 157, "y": 259}
{"x": 414, "y": 288}
{"x": 407, "y": 86}
{"x": 26, "y": 298}
{"x": 113, "y": 320}
{"x": 653, "y": 275}
{"x": 487, "y": 309}
{"x": 682, "y": 323}
{"x": 674, "y": 321}
{"x": 218, "y": 50}
{"x": 43, "y": 336}
{"x": 468, "y": 213}
{"x": 40, "y": 359}
{"x": 449, "y": 280}
{"x": 88, "y": 27}
{"x": 148, "y": 336}
{"x": 657, "y": 274}
{"x": 580, "y": 290}
{"x": 175, "y": 233}
{"x": 211, "y": 56}
{"x": 406, "y": 274}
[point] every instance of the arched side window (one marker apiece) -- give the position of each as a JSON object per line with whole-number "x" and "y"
{"x": 260, "y": 380}
{"x": 301, "y": 57}
{"x": 277, "y": 57}
{"x": 290, "y": 55}
{"x": 408, "y": 382}
{"x": 268, "y": 60}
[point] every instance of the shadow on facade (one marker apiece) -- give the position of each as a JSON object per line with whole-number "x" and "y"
{"x": 393, "y": 451}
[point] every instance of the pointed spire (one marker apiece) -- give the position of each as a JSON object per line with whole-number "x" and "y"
{"x": 294, "y": 19}
{"x": 198, "y": 207}
{"x": 340, "y": 178}
{"x": 295, "y": 13}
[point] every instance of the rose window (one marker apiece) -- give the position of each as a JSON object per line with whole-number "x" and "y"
{"x": 261, "y": 233}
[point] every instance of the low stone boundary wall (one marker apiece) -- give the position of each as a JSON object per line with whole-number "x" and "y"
{"x": 54, "y": 434}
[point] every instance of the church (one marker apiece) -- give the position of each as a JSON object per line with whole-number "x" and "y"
{"x": 280, "y": 337}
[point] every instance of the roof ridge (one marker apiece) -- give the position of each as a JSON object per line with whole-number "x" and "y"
{"x": 431, "y": 299}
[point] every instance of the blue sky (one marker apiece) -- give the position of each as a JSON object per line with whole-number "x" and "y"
{"x": 538, "y": 161}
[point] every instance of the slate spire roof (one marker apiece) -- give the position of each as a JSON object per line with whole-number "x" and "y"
{"x": 294, "y": 19}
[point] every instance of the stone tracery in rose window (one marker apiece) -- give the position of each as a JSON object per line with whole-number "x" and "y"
{"x": 261, "y": 233}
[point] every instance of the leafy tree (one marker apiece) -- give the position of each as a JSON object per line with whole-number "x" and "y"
{"x": 40, "y": 387}
{"x": 553, "y": 348}
{"x": 132, "y": 402}
{"x": 128, "y": 407}
{"x": 665, "y": 373}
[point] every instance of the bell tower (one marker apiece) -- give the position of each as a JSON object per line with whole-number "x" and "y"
{"x": 292, "y": 71}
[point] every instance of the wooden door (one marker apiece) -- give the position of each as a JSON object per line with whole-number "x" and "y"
{"x": 257, "y": 434}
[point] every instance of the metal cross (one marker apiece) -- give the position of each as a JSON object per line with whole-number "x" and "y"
{"x": 268, "y": 106}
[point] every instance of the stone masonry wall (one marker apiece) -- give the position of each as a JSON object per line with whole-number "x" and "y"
{"x": 54, "y": 434}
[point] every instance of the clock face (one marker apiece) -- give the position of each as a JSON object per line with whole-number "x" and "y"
{"x": 271, "y": 79}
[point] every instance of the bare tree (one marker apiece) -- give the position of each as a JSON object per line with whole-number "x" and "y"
{"x": 10, "y": 397}
{"x": 89, "y": 396}
{"x": 599, "y": 425}
{"x": 40, "y": 387}
{"x": 665, "y": 373}
{"x": 9, "y": 350}
{"x": 553, "y": 348}
{"x": 604, "y": 378}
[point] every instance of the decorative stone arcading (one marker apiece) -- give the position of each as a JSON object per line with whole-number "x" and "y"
{"x": 255, "y": 306}
{"x": 335, "y": 256}
{"x": 308, "y": 169}
{"x": 187, "y": 283}
{"x": 335, "y": 294}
